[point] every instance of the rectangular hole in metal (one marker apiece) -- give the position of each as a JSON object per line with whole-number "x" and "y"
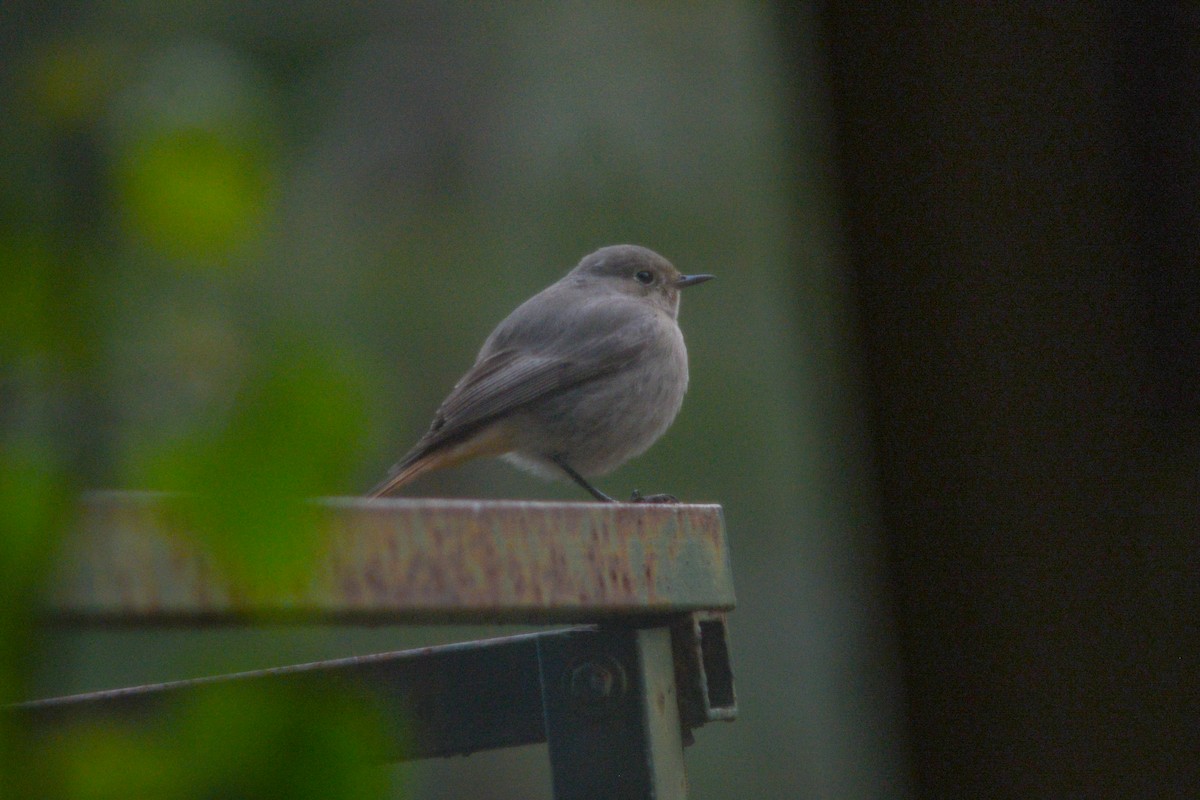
{"x": 714, "y": 652}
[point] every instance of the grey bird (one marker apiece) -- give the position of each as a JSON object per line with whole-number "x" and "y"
{"x": 580, "y": 378}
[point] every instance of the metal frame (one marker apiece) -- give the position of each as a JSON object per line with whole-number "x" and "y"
{"x": 615, "y": 702}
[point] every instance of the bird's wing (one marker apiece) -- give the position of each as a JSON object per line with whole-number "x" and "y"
{"x": 506, "y": 379}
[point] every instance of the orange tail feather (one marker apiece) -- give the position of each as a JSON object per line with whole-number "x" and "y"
{"x": 491, "y": 441}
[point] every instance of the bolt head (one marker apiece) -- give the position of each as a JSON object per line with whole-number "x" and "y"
{"x": 596, "y": 685}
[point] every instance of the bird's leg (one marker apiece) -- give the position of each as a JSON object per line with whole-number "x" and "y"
{"x": 575, "y": 476}
{"x": 638, "y": 497}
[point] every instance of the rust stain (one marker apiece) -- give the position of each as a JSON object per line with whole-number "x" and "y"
{"x": 401, "y": 557}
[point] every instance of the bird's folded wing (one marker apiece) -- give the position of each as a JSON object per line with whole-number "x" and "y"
{"x": 508, "y": 379}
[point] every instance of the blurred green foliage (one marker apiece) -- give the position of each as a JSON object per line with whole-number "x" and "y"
{"x": 247, "y": 475}
{"x": 192, "y": 144}
{"x": 192, "y": 192}
{"x": 36, "y": 509}
{"x": 153, "y": 180}
{"x": 241, "y": 741}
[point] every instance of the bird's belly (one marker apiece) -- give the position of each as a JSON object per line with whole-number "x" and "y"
{"x": 601, "y": 424}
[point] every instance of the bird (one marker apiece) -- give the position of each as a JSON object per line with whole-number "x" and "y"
{"x": 580, "y": 378}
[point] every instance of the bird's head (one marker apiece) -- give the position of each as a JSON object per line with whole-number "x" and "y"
{"x": 636, "y": 271}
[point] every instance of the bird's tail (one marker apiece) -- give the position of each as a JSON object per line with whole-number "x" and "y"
{"x": 493, "y": 440}
{"x": 401, "y": 474}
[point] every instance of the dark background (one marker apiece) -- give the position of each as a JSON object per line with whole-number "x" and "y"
{"x": 1022, "y": 199}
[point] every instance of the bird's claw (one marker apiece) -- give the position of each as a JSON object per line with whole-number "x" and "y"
{"x": 638, "y": 497}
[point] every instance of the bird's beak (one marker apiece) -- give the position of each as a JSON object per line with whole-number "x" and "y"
{"x": 684, "y": 281}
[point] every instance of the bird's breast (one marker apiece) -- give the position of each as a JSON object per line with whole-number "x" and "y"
{"x": 601, "y": 424}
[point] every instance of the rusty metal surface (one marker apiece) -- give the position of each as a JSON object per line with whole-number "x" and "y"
{"x": 409, "y": 560}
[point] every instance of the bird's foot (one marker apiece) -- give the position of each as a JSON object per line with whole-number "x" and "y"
{"x": 638, "y": 497}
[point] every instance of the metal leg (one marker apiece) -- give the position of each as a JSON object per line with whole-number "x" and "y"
{"x": 612, "y": 716}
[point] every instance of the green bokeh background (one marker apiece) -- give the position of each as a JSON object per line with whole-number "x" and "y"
{"x": 246, "y": 249}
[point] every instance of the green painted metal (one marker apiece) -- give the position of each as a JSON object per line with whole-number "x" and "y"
{"x": 612, "y": 719}
{"x": 603, "y": 698}
{"x": 132, "y": 561}
{"x": 660, "y": 710}
{"x": 441, "y": 701}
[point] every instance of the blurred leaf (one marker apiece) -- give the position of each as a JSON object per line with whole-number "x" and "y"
{"x": 249, "y": 475}
{"x": 25, "y": 327}
{"x": 194, "y": 192}
{"x": 192, "y": 148}
{"x": 112, "y": 760}
{"x": 274, "y": 741}
{"x": 33, "y": 510}
{"x": 35, "y": 506}
{"x": 247, "y": 741}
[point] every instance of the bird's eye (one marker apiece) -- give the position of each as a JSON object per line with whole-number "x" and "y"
{"x": 645, "y": 277}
